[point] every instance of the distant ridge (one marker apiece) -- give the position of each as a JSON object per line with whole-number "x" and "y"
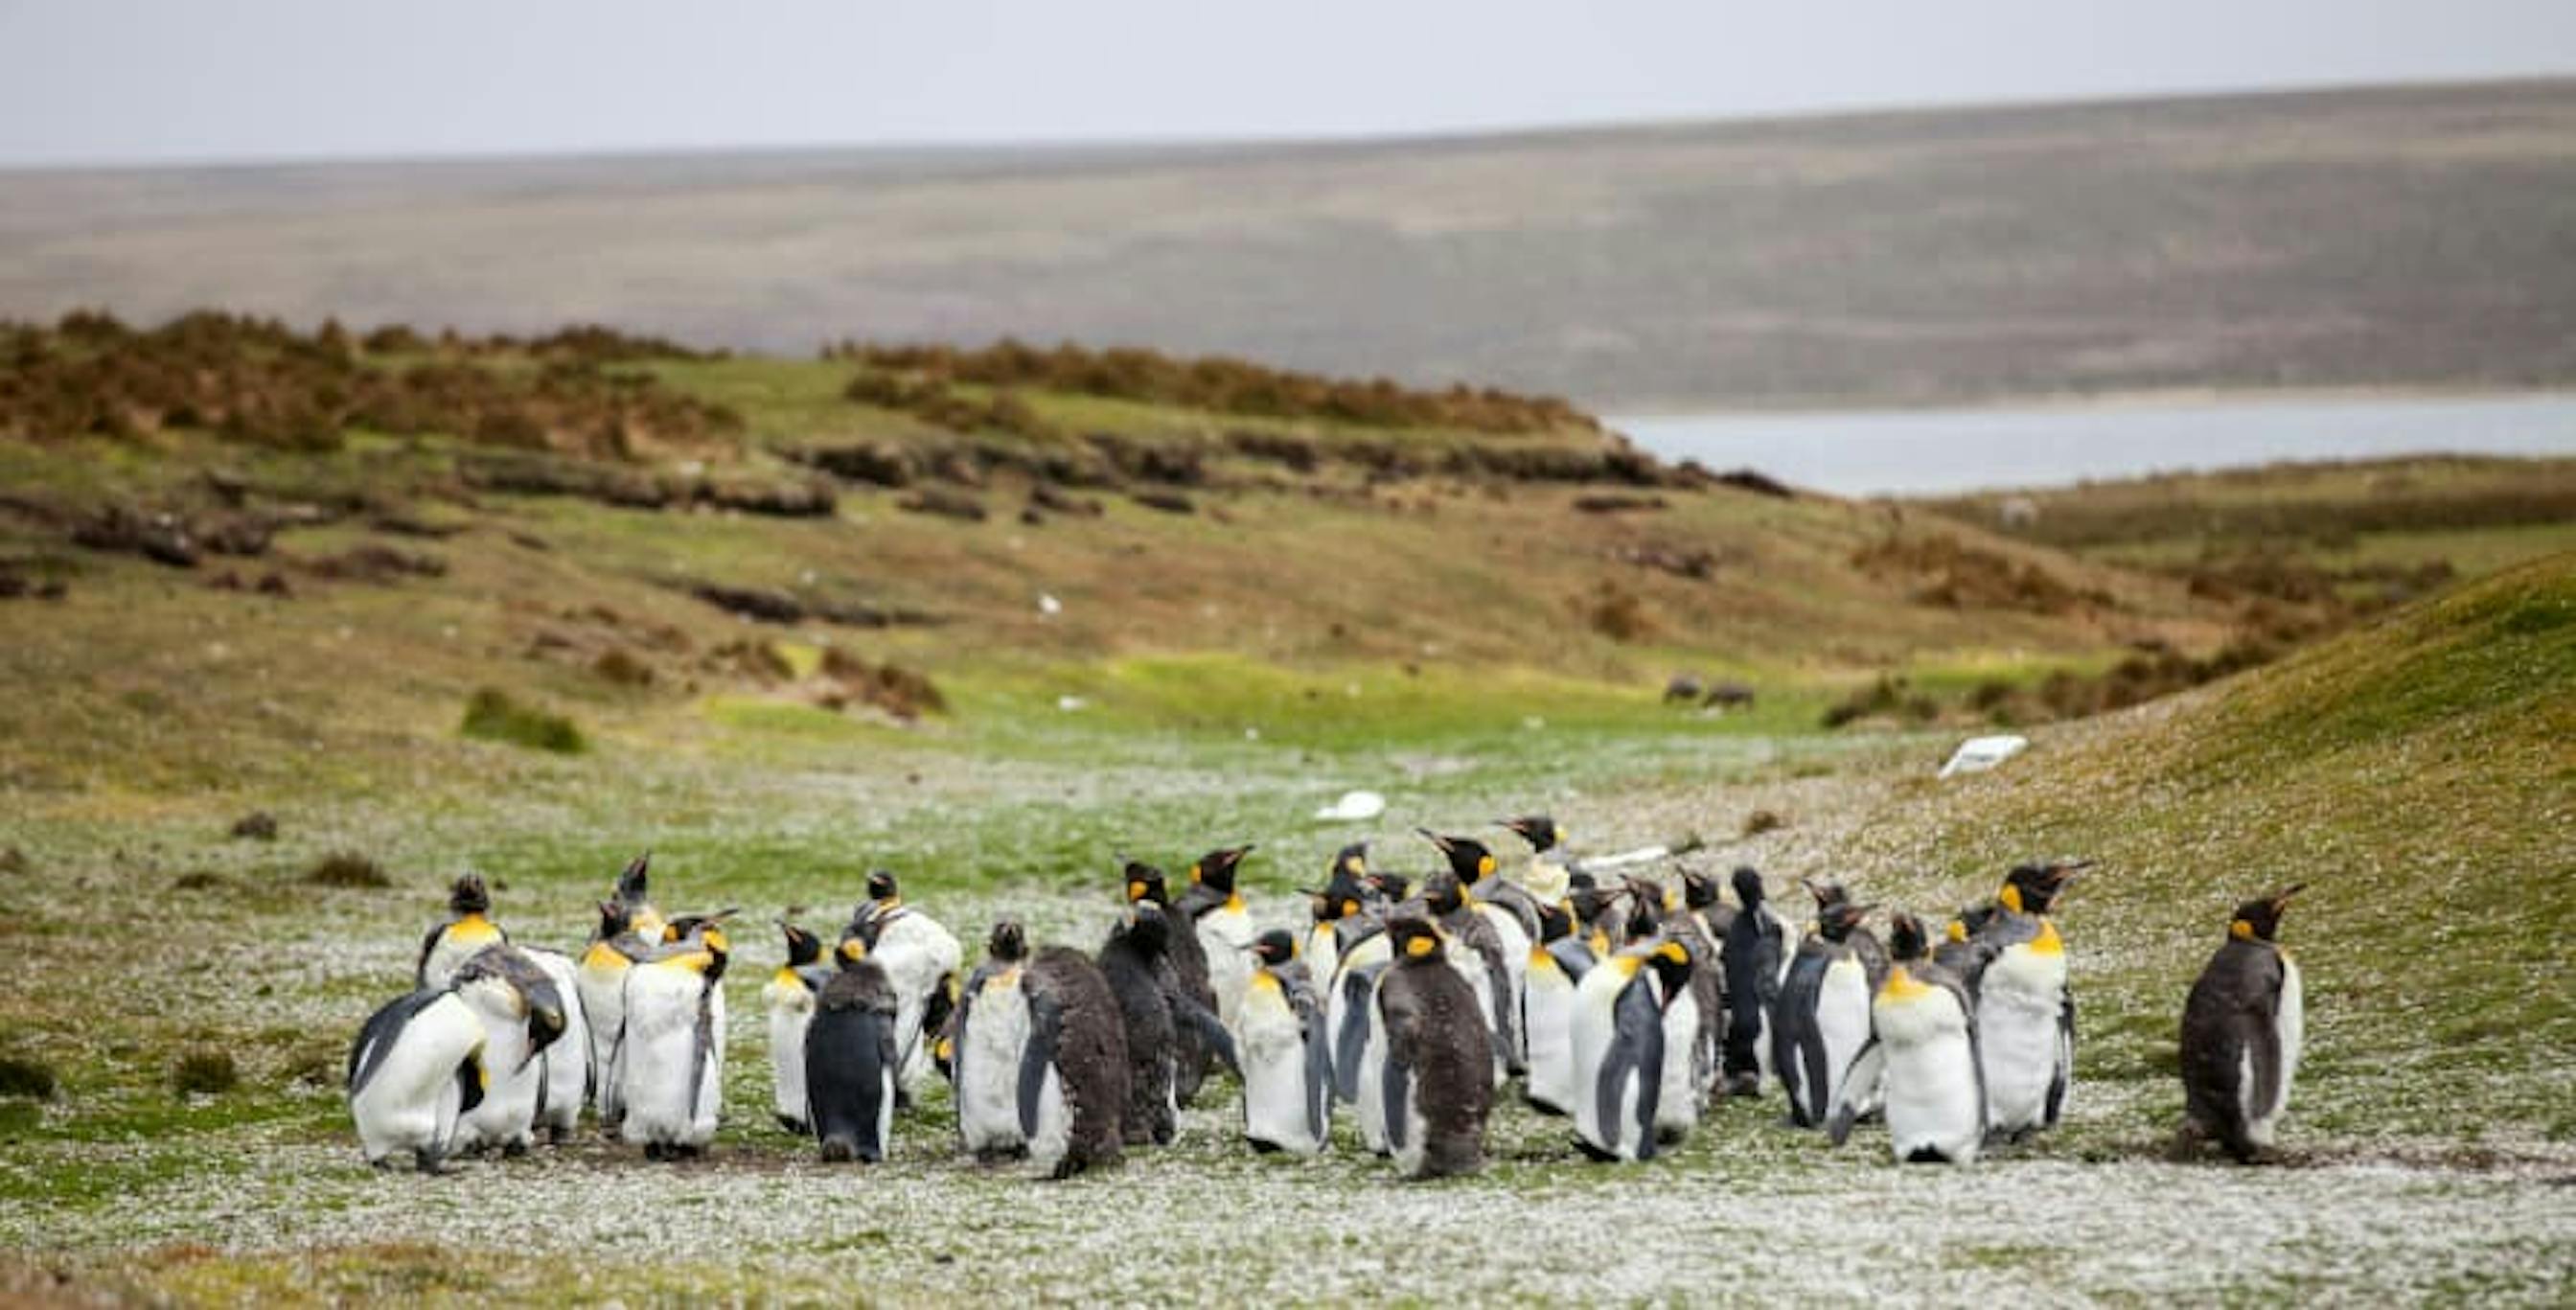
{"x": 2399, "y": 236}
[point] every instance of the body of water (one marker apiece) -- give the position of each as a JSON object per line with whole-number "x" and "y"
{"x": 1919, "y": 452}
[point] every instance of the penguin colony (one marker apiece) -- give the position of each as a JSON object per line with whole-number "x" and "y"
{"x": 1413, "y": 1004}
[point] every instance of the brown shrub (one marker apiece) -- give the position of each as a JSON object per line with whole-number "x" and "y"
{"x": 1620, "y": 615}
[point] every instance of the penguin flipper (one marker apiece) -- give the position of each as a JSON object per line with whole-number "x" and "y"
{"x": 1351, "y": 1043}
{"x": 1867, "y": 1067}
{"x": 376, "y": 1038}
{"x": 1319, "y": 1068}
{"x": 702, "y": 1042}
{"x": 420, "y": 971}
{"x": 1396, "y": 1088}
{"x": 1188, "y": 1013}
{"x": 469, "y": 1082}
{"x": 1046, "y": 1027}
{"x": 2064, "y": 1069}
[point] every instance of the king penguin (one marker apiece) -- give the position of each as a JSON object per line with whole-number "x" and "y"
{"x": 569, "y": 1076}
{"x": 1223, "y": 925}
{"x": 989, "y": 1043}
{"x": 920, "y": 959}
{"x": 1545, "y": 877}
{"x": 671, "y": 1058}
{"x": 1756, "y": 955}
{"x": 2025, "y": 1007}
{"x": 1350, "y": 1005}
{"x": 1073, "y": 1071}
{"x": 1190, "y": 1056}
{"x": 1336, "y": 903}
{"x": 1864, "y": 943}
{"x": 1436, "y": 1083}
{"x": 600, "y": 981}
{"x": 1920, "y": 1062}
{"x": 790, "y": 997}
{"x": 1822, "y": 1018}
{"x": 1619, "y": 1048}
{"x": 1557, "y": 964}
{"x": 522, "y": 1016}
{"x": 1502, "y": 939}
{"x": 1287, "y": 1059}
{"x": 1475, "y": 949}
{"x": 1154, "y": 1011}
{"x": 2241, "y": 1032}
{"x": 850, "y": 1059}
{"x": 634, "y": 891}
{"x": 416, "y": 1068}
{"x": 467, "y": 930}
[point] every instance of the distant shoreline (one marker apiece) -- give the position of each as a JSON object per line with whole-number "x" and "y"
{"x": 2094, "y": 401}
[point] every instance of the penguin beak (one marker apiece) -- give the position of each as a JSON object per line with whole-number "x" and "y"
{"x": 1435, "y": 839}
{"x": 2283, "y": 899}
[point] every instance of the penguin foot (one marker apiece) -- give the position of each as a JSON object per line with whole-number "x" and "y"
{"x": 429, "y": 1161}
{"x": 684, "y": 1152}
{"x": 1595, "y": 1153}
{"x": 837, "y": 1150}
{"x": 1744, "y": 1084}
{"x": 795, "y": 1126}
{"x": 653, "y": 1151}
{"x": 514, "y": 1148}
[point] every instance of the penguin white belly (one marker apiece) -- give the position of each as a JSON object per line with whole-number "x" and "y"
{"x": 1842, "y": 1021}
{"x": 1930, "y": 1083}
{"x": 2017, "y": 1035}
{"x": 791, "y": 1010}
{"x": 2290, "y": 1021}
{"x": 1225, "y": 935}
{"x": 708, "y": 1111}
{"x": 567, "y": 1059}
{"x": 1678, "y": 1103}
{"x": 1547, "y": 1015}
{"x": 1415, "y": 1135}
{"x": 601, "y": 983}
{"x": 916, "y": 954}
{"x": 1322, "y": 952}
{"x": 410, "y": 1102}
{"x": 508, "y": 1113}
{"x": 1054, "y": 1134}
{"x": 1516, "y": 951}
{"x": 994, "y": 1039}
{"x": 1271, "y": 1044}
{"x": 658, "y": 1057}
{"x": 1593, "y": 1030}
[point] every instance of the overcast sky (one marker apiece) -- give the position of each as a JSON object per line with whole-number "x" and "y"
{"x": 95, "y": 81}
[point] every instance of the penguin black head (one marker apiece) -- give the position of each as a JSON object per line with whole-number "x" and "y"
{"x": 2034, "y": 888}
{"x": 1671, "y": 960}
{"x": 1827, "y": 894}
{"x": 469, "y": 896}
{"x": 1590, "y": 902}
{"x": 1216, "y": 868}
{"x": 2259, "y": 920}
{"x": 1836, "y": 921}
{"x": 1555, "y": 922}
{"x": 1390, "y": 887}
{"x": 1009, "y": 942}
{"x": 881, "y": 887}
{"x": 631, "y": 882}
{"x": 1699, "y": 891}
{"x": 1540, "y": 831}
{"x": 545, "y": 1011}
{"x": 1145, "y": 883}
{"x": 1906, "y": 942}
{"x": 803, "y": 948}
{"x": 1414, "y": 938}
{"x": 614, "y": 919}
{"x": 1645, "y": 907}
{"x": 1345, "y": 886}
{"x": 1467, "y": 858}
{"x": 1444, "y": 893}
{"x": 1748, "y": 886}
{"x": 1972, "y": 920}
{"x": 1144, "y": 926}
{"x": 1275, "y": 947}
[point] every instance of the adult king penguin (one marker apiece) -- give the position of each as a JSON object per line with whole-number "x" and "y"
{"x": 671, "y": 1058}
{"x": 1822, "y": 1018}
{"x": 522, "y": 1016}
{"x": 850, "y": 1059}
{"x": 2241, "y": 1032}
{"x": 1223, "y": 924}
{"x": 920, "y": 959}
{"x": 1619, "y": 1047}
{"x": 1287, "y": 1058}
{"x": 416, "y": 1068}
{"x": 600, "y": 981}
{"x": 1337, "y": 903}
{"x": 1757, "y": 953}
{"x": 989, "y": 1045}
{"x": 790, "y": 997}
{"x": 2025, "y": 1009}
{"x": 1920, "y": 1062}
{"x": 1437, "y": 1081}
{"x": 1545, "y": 877}
{"x": 1556, "y": 966}
{"x": 467, "y": 930}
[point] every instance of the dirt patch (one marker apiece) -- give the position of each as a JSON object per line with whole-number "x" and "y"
{"x": 1946, "y": 572}
{"x": 347, "y": 869}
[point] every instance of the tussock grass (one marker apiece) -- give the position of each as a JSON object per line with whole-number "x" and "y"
{"x": 494, "y": 715}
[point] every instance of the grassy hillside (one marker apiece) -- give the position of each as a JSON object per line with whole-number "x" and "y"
{"x": 2376, "y": 237}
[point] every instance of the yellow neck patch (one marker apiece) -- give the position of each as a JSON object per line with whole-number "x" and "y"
{"x": 1485, "y": 866}
{"x": 2242, "y": 930}
{"x": 1958, "y": 930}
{"x": 787, "y": 976}
{"x": 2048, "y": 942}
{"x": 1600, "y": 943}
{"x": 2009, "y": 898}
{"x": 694, "y": 961}
{"x": 603, "y": 957}
{"x": 1902, "y": 985}
{"x": 1417, "y": 947}
{"x": 1234, "y": 903}
{"x": 1135, "y": 891}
